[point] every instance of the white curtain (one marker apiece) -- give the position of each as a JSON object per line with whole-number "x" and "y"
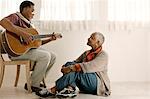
{"x": 128, "y": 14}
{"x": 8, "y": 6}
{"x": 65, "y": 10}
{"x": 71, "y": 14}
{"x": 85, "y": 14}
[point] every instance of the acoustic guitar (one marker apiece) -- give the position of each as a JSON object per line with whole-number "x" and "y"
{"x": 14, "y": 45}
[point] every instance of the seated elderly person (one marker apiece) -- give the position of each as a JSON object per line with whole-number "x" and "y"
{"x": 88, "y": 73}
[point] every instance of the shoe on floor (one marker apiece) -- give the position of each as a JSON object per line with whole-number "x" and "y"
{"x": 34, "y": 89}
{"x": 45, "y": 93}
{"x": 42, "y": 85}
{"x": 66, "y": 92}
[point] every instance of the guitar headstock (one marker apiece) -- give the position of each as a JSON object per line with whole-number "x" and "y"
{"x": 57, "y": 35}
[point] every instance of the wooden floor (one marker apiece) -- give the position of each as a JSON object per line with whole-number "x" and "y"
{"x": 128, "y": 90}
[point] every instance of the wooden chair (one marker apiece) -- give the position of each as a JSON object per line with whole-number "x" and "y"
{"x": 19, "y": 63}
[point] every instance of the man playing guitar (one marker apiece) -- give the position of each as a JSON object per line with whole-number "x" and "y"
{"x": 44, "y": 59}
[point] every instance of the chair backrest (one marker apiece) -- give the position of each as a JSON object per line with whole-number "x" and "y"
{"x": 1, "y": 47}
{"x": 1, "y": 51}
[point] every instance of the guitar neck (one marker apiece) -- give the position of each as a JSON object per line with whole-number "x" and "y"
{"x": 34, "y": 37}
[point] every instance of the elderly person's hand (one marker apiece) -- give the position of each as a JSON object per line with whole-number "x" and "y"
{"x": 65, "y": 70}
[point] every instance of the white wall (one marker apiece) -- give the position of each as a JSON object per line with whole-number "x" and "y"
{"x": 128, "y": 56}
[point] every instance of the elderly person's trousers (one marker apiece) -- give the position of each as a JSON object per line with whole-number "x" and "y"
{"x": 86, "y": 82}
{"x": 43, "y": 62}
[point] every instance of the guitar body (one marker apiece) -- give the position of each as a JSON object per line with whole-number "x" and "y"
{"x": 13, "y": 45}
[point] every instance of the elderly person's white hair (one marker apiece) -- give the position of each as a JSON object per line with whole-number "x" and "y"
{"x": 100, "y": 37}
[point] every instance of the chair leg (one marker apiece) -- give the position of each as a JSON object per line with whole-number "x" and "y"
{"x": 2, "y": 73}
{"x": 17, "y": 75}
{"x": 28, "y": 77}
{"x": 44, "y": 82}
